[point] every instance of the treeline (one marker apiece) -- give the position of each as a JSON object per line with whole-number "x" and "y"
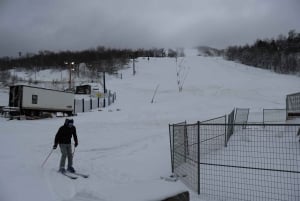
{"x": 100, "y": 58}
{"x": 281, "y": 55}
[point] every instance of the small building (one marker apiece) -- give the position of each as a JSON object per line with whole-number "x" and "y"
{"x": 91, "y": 89}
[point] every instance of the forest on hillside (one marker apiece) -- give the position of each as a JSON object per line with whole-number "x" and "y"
{"x": 281, "y": 55}
{"x": 101, "y": 58}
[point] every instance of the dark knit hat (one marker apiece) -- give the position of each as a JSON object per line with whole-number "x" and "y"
{"x": 69, "y": 121}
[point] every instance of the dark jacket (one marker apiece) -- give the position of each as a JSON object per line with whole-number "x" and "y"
{"x": 64, "y": 135}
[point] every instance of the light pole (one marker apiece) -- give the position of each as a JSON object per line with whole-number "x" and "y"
{"x": 70, "y": 72}
{"x": 104, "y": 83}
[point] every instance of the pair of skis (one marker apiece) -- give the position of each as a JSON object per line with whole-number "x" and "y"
{"x": 74, "y": 175}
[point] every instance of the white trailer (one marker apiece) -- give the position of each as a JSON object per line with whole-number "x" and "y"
{"x": 33, "y": 101}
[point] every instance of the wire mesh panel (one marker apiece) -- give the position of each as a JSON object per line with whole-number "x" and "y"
{"x": 230, "y": 126}
{"x": 211, "y": 137}
{"x": 185, "y": 156}
{"x": 179, "y": 145}
{"x": 87, "y": 105}
{"x": 241, "y": 117}
{"x": 260, "y": 163}
{"x": 293, "y": 102}
{"x": 274, "y": 115}
{"x": 293, "y": 105}
{"x": 173, "y": 131}
{"x": 94, "y": 103}
{"x": 78, "y": 106}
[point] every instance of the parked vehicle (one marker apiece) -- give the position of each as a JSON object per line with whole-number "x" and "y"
{"x": 35, "y": 101}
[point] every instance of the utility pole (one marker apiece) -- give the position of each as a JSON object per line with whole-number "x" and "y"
{"x": 104, "y": 85}
{"x": 70, "y": 77}
{"x": 70, "y": 64}
{"x": 35, "y": 74}
{"x": 133, "y": 66}
{"x": 104, "y": 89}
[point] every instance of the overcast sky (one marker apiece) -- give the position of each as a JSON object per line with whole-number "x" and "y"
{"x": 29, "y": 26}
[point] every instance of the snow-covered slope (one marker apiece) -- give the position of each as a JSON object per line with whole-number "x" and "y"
{"x": 125, "y": 148}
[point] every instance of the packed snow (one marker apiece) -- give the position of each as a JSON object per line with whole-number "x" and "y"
{"x": 125, "y": 147}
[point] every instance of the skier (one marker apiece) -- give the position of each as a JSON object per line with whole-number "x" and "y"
{"x": 63, "y": 138}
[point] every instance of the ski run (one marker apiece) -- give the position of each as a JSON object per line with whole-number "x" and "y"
{"x": 125, "y": 147}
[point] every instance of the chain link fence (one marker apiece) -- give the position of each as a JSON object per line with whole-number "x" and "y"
{"x": 258, "y": 162}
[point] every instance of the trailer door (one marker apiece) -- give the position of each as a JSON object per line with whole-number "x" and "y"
{"x": 15, "y": 96}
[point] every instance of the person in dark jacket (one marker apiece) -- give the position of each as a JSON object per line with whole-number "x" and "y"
{"x": 63, "y": 139}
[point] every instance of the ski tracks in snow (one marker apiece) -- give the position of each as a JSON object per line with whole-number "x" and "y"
{"x": 126, "y": 149}
{"x": 109, "y": 168}
{"x": 65, "y": 189}
{"x": 118, "y": 162}
{"x": 61, "y": 188}
{"x": 85, "y": 196}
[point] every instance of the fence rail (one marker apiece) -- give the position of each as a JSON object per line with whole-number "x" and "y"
{"x": 258, "y": 162}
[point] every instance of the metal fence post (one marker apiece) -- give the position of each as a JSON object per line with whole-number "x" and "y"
{"x": 171, "y": 152}
{"x": 185, "y": 139}
{"x": 226, "y": 130}
{"x": 198, "y": 132}
{"x": 286, "y": 107}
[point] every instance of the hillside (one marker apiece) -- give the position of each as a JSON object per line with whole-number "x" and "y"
{"x": 125, "y": 148}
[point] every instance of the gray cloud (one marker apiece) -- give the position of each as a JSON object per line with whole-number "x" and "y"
{"x": 33, "y": 25}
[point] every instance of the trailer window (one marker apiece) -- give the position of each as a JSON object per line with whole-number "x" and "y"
{"x": 34, "y": 99}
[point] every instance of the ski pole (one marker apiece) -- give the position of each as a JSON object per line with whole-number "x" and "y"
{"x": 47, "y": 158}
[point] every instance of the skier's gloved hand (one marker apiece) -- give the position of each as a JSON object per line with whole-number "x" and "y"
{"x": 76, "y": 144}
{"x": 54, "y": 146}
